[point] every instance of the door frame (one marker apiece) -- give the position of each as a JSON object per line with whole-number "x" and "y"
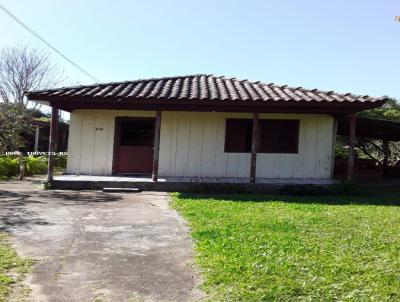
{"x": 117, "y": 136}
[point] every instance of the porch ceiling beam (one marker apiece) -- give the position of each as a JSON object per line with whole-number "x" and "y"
{"x": 156, "y": 152}
{"x": 70, "y": 106}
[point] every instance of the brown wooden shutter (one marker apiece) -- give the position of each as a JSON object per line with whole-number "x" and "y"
{"x": 238, "y": 135}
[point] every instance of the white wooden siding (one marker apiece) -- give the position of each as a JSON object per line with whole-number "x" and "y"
{"x": 313, "y": 159}
{"x": 90, "y": 151}
{"x": 192, "y": 145}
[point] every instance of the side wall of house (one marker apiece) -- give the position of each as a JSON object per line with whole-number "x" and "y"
{"x": 192, "y": 145}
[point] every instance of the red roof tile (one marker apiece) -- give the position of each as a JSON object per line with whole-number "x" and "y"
{"x": 198, "y": 87}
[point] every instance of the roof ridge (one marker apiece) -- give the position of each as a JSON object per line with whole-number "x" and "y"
{"x": 316, "y": 90}
{"x": 124, "y": 82}
{"x": 301, "y": 88}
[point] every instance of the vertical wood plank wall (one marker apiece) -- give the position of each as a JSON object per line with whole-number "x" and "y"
{"x": 91, "y": 140}
{"x": 192, "y": 145}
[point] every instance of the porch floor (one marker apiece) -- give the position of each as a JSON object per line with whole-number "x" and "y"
{"x": 177, "y": 184}
{"x": 145, "y": 178}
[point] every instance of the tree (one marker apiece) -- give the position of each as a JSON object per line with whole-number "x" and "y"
{"x": 389, "y": 111}
{"x": 14, "y": 120}
{"x": 22, "y": 69}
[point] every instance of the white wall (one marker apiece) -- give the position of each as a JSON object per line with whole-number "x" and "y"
{"x": 90, "y": 151}
{"x": 192, "y": 145}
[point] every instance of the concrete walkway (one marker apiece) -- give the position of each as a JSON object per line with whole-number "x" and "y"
{"x": 94, "y": 246}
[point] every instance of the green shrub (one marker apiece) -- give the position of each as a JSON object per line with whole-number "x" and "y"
{"x": 36, "y": 164}
{"x": 61, "y": 161}
{"x": 8, "y": 166}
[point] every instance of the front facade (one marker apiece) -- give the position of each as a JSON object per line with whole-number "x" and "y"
{"x": 202, "y": 127}
{"x": 193, "y": 145}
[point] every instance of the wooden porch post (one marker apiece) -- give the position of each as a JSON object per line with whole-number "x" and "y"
{"x": 156, "y": 151}
{"x": 52, "y": 142}
{"x": 254, "y": 149}
{"x": 386, "y": 153}
{"x": 334, "y": 134}
{"x": 352, "y": 138}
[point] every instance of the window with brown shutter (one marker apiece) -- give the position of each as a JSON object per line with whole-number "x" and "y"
{"x": 238, "y": 135}
{"x": 279, "y": 136}
{"x": 275, "y": 136}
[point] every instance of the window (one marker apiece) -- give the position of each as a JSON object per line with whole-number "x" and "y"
{"x": 275, "y": 136}
{"x": 137, "y": 132}
{"x": 238, "y": 135}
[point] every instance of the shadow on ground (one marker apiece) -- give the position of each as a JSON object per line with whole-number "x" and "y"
{"x": 369, "y": 196}
{"x": 17, "y": 210}
{"x": 79, "y": 198}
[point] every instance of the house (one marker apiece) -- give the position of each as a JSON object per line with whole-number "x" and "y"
{"x": 203, "y": 127}
{"x": 39, "y": 140}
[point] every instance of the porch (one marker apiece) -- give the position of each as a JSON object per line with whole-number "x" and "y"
{"x": 173, "y": 184}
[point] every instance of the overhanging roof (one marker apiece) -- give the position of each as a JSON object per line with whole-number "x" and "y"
{"x": 371, "y": 128}
{"x": 203, "y": 92}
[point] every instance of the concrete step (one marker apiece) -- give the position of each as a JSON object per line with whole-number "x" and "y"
{"x": 122, "y": 190}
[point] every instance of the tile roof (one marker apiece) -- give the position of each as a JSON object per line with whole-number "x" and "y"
{"x": 199, "y": 87}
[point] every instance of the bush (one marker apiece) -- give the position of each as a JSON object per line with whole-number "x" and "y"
{"x": 8, "y": 166}
{"x": 61, "y": 161}
{"x": 36, "y": 164}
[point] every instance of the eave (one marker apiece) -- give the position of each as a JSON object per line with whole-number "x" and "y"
{"x": 281, "y": 106}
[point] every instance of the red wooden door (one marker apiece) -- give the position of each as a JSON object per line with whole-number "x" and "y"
{"x": 134, "y": 145}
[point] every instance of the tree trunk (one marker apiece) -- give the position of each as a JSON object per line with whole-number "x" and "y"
{"x": 21, "y": 166}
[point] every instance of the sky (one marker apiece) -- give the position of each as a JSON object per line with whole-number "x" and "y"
{"x": 343, "y": 45}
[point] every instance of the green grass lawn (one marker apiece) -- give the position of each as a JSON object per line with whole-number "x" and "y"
{"x": 264, "y": 248}
{"x": 10, "y": 263}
